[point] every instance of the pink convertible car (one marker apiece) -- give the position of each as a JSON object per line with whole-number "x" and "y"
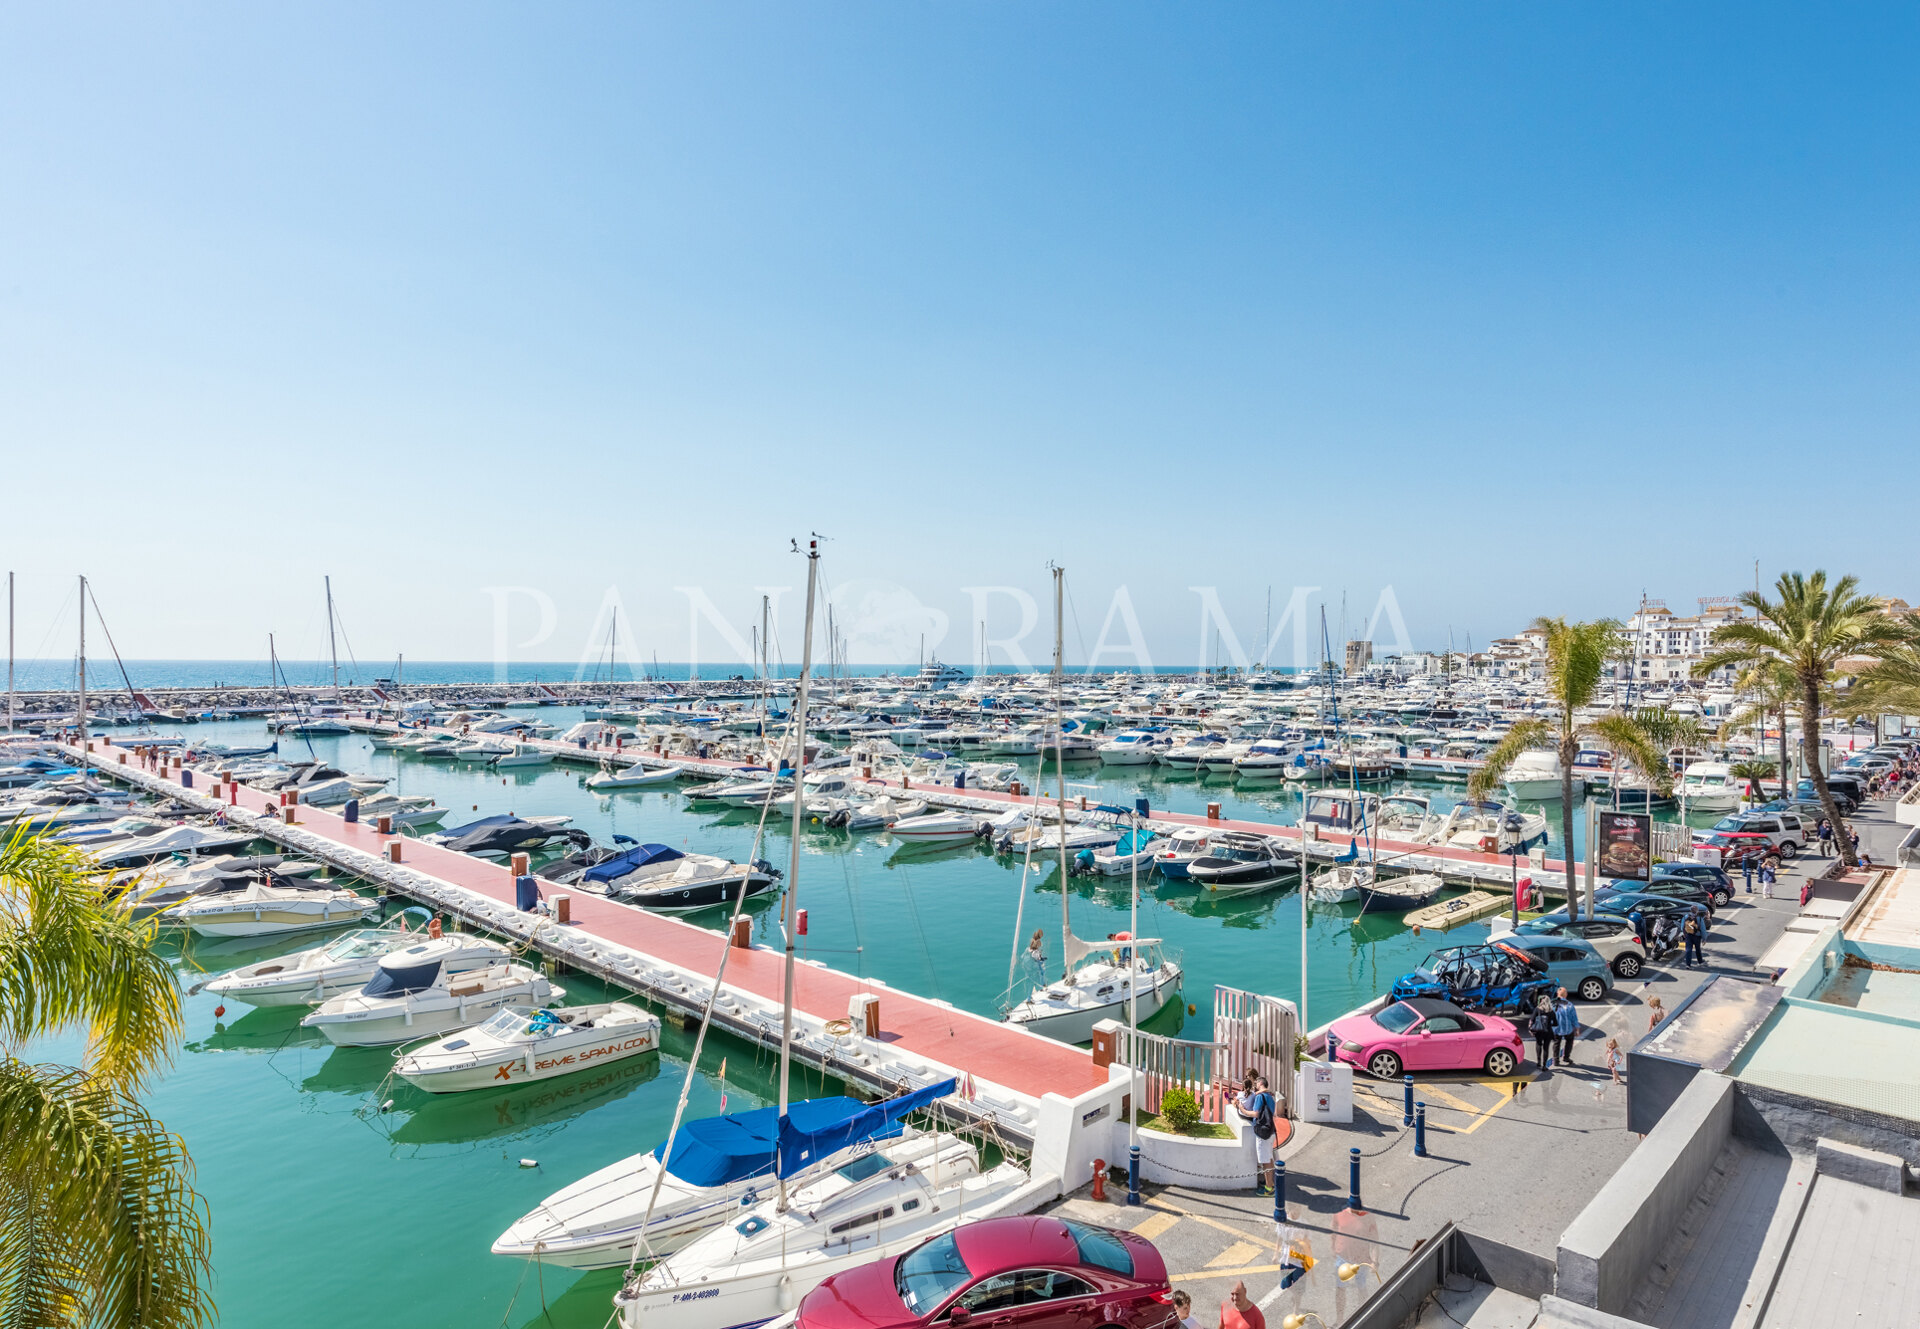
{"x": 1424, "y": 1034}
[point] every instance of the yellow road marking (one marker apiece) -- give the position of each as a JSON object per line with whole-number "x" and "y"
{"x": 1244, "y": 1271}
{"x": 1238, "y": 1253}
{"x": 1160, "y": 1202}
{"x": 1484, "y": 1117}
{"x": 1422, "y": 1092}
{"x": 1155, "y": 1224}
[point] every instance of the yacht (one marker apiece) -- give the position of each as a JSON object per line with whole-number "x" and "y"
{"x": 1534, "y": 777}
{"x": 1486, "y": 828}
{"x": 411, "y": 995}
{"x": 1241, "y": 863}
{"x": 943, "y": 827}
{"x": 1103, "y": 977}
{"x": 307, "y": 978}
{"x": 665, "y": 879}
{"x": 874, "y": 814}
{"x": 270, "y": 906}
{"x": 1266, "y": 759}
{"x": 1342, "y": 812}
{"x": 522, "y": 754}
{"x": 635, "y": 776}
{"x": 719, "y": 1167}
{"x": 405, "y": 809}
{"x": 1135, "y": 849}
{"x": 1189, "y": 755}
{"x": 1710, "y": 786}
{"x": 1179, "y": 850}
{"x": 1132, "y": 747}
{"x": 520, "y": 1046}
{"x": 498, "y": 836}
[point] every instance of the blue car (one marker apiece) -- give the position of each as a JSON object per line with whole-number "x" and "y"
{"x": 1496, "y": 977}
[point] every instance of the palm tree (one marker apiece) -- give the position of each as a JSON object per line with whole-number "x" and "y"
{"x": 1577, "y": 655}
{"x": 1891, "y": 684}
{"x": 99, "y": 1222}
{"x": 1808, "y": 629}
{"x": 1771, "y": 688}
{"x": 1753, "y": 772}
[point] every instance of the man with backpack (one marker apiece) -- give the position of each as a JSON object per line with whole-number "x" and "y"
{"x": 1541, "y": 1027}
{"x": 1258, "y": 1108}
{"x": 1690, "y": 931}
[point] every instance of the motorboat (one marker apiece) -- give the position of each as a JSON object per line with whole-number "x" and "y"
{"x": 309, "y": 977}
{"x": 269, "y": 906}
{"x": 405, "y": 809}
{"x": 1026, "y": 741}
{"x": 1710, "y": 786}
{"x": 1132, "y": 747}
{"x": 1017, "y": 835}
{"x": 1338, "y": 885}
{"x": 1136, "y": 849}
{"x": 66, "y": 805}
{"x": 498, "y": 836}
{"x": 519, "y": 1046}
{"x": 1404, "y": 816}
{"x": 875, "y": 814}
{"x": 636, "y": 776}
{"x": 1178, "y": 851}
{"x": 942, "y": 827}
{"x": 719, "y": 1166}
{"x": 522, "y": 755}
{"x": 145, "y": 891}
{"x": 1264, "y": 759}
{"x": 412, "y": 995}
{"x": 1341, "y": 812}
{"x": 1103, "y": 979}
{"x": 484, "y": 750}
{"x": 1396, "y": 895}
{"x": 662, "y": 878}
{"x": 1486, "y": 827}
{"x": 1534, "y": 777}
{"x": 1190, "y": 755}
{"x": 143, "y": 840}
{"x": 1239, "y": 862}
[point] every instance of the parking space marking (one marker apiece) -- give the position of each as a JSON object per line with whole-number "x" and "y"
{"x": 1155, "y": 1224}
{"x": 1237, "y": 1254}
{"x": 1245, "y": 1271}
{"x": 1161, "y": 1202}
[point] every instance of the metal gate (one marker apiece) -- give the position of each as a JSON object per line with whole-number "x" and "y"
{"x": 1257, "y": 1033}
{"x": 1168, "y": 1063}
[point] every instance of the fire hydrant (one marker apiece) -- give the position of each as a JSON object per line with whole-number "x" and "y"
{"x": 1099, "y": 1179}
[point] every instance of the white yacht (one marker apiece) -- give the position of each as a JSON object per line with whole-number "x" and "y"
{"x": 307, "y": 978}
{"x": 1534, "y": 777}
{"x": 938, "y": 827}
{"x": 405, "y": 809}
{"x": 411, "y": 995}
{"x": 269, "y": 907}
{"x": 519, "y": 1046}
{"x": 1132, "y": 747}
{"x": 635, "y": 776}
{"x": 1710, "y": 786}
{"x": 522, "y": 754}
{"x": 1102, "y": 979}
{"x": 1181, "y": 848}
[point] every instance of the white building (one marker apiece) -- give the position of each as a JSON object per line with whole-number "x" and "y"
{"x": 1666, "y": 646}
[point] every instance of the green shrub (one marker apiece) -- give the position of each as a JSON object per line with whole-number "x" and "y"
{"x": 1180, "y": 1110}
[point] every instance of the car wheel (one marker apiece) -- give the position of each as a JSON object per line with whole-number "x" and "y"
{"x": 1592, "y": 989}
{"x": 1500, "y": 1062}
{"x": 1385, "y": 1065}
{"x": 1720, "y": 899}
{"x": 1627, "y": 966}
{"x": 1788, "y": 849}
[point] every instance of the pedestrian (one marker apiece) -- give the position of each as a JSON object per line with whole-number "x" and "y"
{"x": 1853, "y": 838}
{"x": 1655, "y": 1013}
{"x": 1613, "y": 1059}
{"x": 1826, "y": 838}
{"x": 1541, "y": 1027}
{"x": 1258, "y": 1108}
{"x": 1183, "y": 1307}
{"x": 1746, "y": 870}
{"x": 1767, "y": 878}
{"x": 1237, "y": 1312}
{"x": 1037, "y": 956}
{"x": 1690, "y": 933}
{"x": 1566, "y": 1023}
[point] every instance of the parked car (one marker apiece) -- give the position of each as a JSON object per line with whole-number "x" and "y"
{"x": 1809, "y": 811}
{"x": 1490, "y": 977}
{"x": 1613, "y": 935}
{"x": 1426, "y": 1034}
{"x": 1868, "y": 765}
{"x": 1782, "y": 829}
{"x": 1572, "y": 963}
{"x": 1737, "y": 848}
{"x": 1847, "y": 793}
{"x": 1640, "y": 908}
{"x": 1718, "y": 882}
{"x": 1680, "y": 888}
{"x": 1032, "y": 1271}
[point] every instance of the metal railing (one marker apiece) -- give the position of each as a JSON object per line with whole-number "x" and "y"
{"x": 1258, "y": 1033}
{"x": 1169, "y": 1063}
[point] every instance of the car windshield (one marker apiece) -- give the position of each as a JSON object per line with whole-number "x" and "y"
{"x": 1729, "y": 824}
{"x": 928, "y": 1276}
{"x": 1397, "y": 1018}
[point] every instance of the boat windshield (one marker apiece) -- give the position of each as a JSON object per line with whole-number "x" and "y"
{"x": 396, "y": 982}
{"x": 358, "y": 946}
{"x": 928, "y": 1276}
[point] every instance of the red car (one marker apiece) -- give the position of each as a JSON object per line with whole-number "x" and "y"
{"x": 1012, "y": 1273}
{"x": 1737, "y": 847}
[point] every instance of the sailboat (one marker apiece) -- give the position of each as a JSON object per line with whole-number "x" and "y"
{"x": 757, "y": 1264}
{"x": 1102, "y": 979}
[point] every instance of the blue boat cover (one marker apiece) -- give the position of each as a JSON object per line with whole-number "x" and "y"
{"x": 621, "y": 864}
{"x": 716, "y": 1150}
{"x": 822, "y": 1126}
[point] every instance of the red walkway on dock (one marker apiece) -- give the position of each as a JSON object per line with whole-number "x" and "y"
{"x": 1023, "y": 1062}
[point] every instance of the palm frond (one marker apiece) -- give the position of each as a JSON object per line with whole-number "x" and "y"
{"x": 101, "y": 1219}
{"x": 1493, "y": 769}
{"x": 1627, "y": 737}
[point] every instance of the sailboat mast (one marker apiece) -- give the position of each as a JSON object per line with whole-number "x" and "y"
{"x": 9, "y": 652}
{"x": 82, "y": 716}
{"x": 332, "y": 649}
{"x": 789, "y": 914}
{"x": 1060, "y": 765}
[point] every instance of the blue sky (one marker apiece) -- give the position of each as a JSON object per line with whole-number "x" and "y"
{"x": 1511, "y": 308}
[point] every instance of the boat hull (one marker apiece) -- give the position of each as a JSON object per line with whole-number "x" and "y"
{"x": 517, "y": 1066}
{"x": 1076, "y": 1025}
{"x": 265, "y": 920}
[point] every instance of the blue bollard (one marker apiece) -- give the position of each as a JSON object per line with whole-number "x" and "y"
{"x": 1406, "y": 1117}
{"x": 1133, "y": 1175}
{"x": 1419, "y": 1130}
{"x": 1353, "y": 1181}
{"x": 186, "y": 778}
{"x": 1279, "y": 1191}
{"x": 351, "y": 813}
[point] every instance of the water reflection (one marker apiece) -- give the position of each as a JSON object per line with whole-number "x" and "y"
{"x": 483, "y": 1114}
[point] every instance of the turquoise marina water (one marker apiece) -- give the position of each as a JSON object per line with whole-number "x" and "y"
{"x": 328, "y": 1210}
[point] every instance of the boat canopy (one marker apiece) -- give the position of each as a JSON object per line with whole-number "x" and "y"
{"x": 812, "y": 1129}
{"x": 716, "y": 1150}
{"x": 623, "y": 863}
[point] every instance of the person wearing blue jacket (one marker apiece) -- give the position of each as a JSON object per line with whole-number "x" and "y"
{"x": 1566, "y": 1026}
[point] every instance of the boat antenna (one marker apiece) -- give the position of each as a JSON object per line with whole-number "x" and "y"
{"x": 82, "y": 714}
{"x": 9, "y": 652}
{"x": 788, "y": 915}
{"x": 1060, "y": 771}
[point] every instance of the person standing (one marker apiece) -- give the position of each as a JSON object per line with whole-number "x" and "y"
{"x": 1258, "y": 1108}
{"x": 1655, "y": 1013}
{"x": 1237, "y": 1312}
{"x": 1566, "y": 1024}
{"x": 1183, "y": 1307}
{"x": 1037, "y": 957}
{"x": 1690, "y": 932}
{"x": 1541, "y": 1027}
{"x": 1826, "y": 838}
{"x": 1767, "y": 877}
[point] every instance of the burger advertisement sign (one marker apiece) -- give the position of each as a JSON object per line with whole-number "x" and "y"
{"x": 1626, "y": 845}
